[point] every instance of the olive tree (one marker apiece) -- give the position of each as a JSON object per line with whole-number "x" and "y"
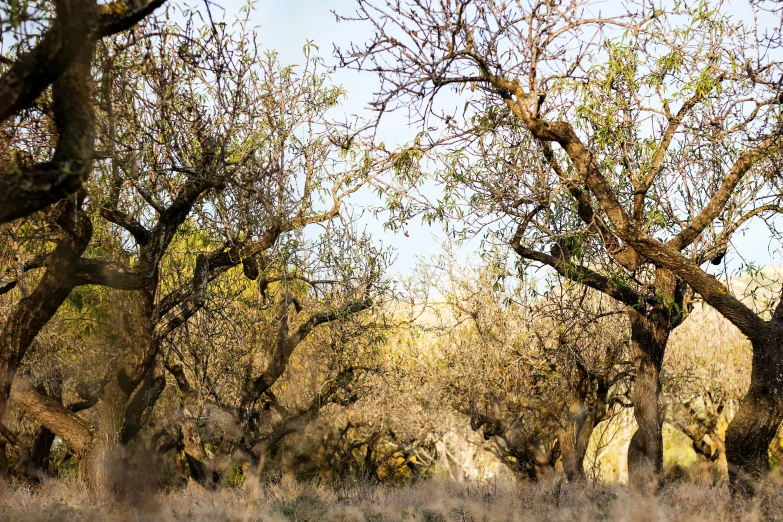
{"x": 263, "y": 358}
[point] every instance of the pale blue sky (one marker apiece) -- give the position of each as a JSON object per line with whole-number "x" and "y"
{"x": 285, "y": 26}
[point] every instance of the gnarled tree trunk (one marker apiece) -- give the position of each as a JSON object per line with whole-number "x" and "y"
{"x": 760, "y": 412}
{"x": 135, "y": 358}
{"x": 649, "y": 335}
{"x": 95, "y": 468}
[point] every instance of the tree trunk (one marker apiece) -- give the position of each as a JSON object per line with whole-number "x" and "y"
{"x": 135, "y": 358}
{"x": 760, "y": 412}
{"x": 575, "y": 439}
{"x": 649, "y": 335}
{"x": 95, "y": 468}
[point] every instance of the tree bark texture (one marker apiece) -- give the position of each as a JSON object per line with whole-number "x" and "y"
{"x": 649, "y": 335}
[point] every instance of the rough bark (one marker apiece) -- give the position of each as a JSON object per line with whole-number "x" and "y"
{"x": 648, "y": 339}
{"x": 95, "y": 468}
{"x": 34, "y": 71}
{"x": 135, "y": 358}
{"x": 74, "y": 430}
{"x": 760, "y": 412}
{"x": 649, "y": 336}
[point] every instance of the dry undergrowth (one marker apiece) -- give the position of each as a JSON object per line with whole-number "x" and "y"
{"x": 428, "y": 501}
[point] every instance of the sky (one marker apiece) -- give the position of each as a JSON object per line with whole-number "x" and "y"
{"x": 285, "y": 26}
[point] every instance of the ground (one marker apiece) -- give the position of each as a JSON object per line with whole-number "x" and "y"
{"x": 288, "y": 500}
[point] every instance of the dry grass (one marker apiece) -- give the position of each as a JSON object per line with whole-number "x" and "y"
{"x": 429, "y": 501}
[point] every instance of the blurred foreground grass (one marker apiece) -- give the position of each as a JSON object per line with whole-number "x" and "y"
{"x": 429, "y": 501}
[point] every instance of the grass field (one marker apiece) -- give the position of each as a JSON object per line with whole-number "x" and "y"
{"x": 429, "y": 501}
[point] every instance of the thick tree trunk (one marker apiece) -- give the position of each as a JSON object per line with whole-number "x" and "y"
{"x": 136, "y": 349}
{"x": 119, "y": 420}
{"x": 760, "y": 412}
{"x": 95, "y": 468}
{"x": 649, "y": 335}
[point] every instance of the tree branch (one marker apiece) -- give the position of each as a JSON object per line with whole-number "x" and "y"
{"x": 110, "y": 274}
{"x": 718, "y": 201}
{"x": 136, "y": 229}
{"x": 286, "y": 344}
{"x": 583, "y": 275}
{"x": 116, "y": 16}
{"x": 32, "y": 73}
{"x": 74, "y": 430}
{"x": 24, "y": 193}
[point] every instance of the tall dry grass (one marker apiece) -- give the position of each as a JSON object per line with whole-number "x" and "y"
{"x": 428, "y": 501}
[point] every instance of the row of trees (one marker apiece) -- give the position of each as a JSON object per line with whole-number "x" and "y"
{"x": 182, "y": 272}
{"x": 545, "y": 370}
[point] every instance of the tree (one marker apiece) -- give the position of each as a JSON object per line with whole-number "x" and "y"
{"x": 535, "y": 373}
{"x": 300, "y": 341}
{"x": 703, "y": 387}
{"x": 667, "y": 137}
{"x": 219, "y": 152}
